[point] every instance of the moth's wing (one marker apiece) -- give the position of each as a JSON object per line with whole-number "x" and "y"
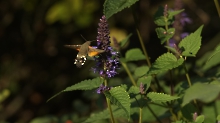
{"x": 76, "y": 47}
{"x": 93, "y": 51}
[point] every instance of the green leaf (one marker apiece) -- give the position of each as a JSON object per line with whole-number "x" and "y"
{"x": 180, "y": 121}
{"x": 124, "y": 41}
{"x": 160, "y": 20}
{"x": 208, "y": 111}
{"x": 83, "y": 85}
{"x": 197, "y": 92}
{"x": 191, "y": 44}
{"x": 148, "y": 117}
{"x": 121, "y": 98}
{"x": 218, "y": 117}
{"x": 160, "y": 97}
{"x": 200, "y": 119}
{"x": 213, "y": 59}
{"x": 134, "y": 54}
{"x": 146, "y": 80}
{"x": 140, "y": 71}
{"x": 188, "y": 111}
{"x": 134, "y": 90}
{"x": 171, "y": 13}
{"x": 117, "y": 112}
{"x": 164, "y": 35}
{"x": 172, "y": 50}
{"x": 114, "y": 6}
{"x": 165, "y": 62}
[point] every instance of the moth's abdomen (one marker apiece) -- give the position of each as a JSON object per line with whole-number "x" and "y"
{"x": 80, "y": 60}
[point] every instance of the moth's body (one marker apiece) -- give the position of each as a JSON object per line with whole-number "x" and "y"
{"x": 84, "y": 51}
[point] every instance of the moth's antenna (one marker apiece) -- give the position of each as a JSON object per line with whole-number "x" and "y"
{"x": 83, "y": 38}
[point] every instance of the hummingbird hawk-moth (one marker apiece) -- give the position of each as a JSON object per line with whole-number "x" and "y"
{"x": 84, "y": 51}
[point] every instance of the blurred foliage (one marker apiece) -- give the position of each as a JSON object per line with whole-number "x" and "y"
{"x": 34, "y": 64}
{"x": 79, "y": 11}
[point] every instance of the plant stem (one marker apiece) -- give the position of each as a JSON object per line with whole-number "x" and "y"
{"x": 187, "y": 75}
{"x": 143, "y": 48}
{"x": 140, "y": 115}
{"x": 129, "y": 73}
{"x": 189, "y": 82}
{"x": 170, "y": 71}
{"x": 217, "y": 7}
{"x": 109, "y": 106}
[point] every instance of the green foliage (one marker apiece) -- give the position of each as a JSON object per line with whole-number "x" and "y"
{"x": 121, "y": 98}
{"x": 146, "y": 80}
{"x": 149, "y": 117}
{"x": 160, "y": 97}
{"x": 200, "y": 119}
{"x": 171, "y": 13}
{"x": 188, "y": 110}
{"x": 117, "y": 112}
{"x": 140, "y": 104}
{"x": 67, "y": 10}
{"x": 134, "y": 90}
{"x": 191, "y": 44}
{"x": 165, "y": 62}
{"x": 134, "y": 54}
{"x": 160, "y": 20}
{"x": 218, "y": 118}
{"x": 124, "y": 41}
{"x": 47, "y": 119}
{"x": 164, "y": 35}
{"x": 196, "y": 91}
{"x": 83, "y": 85}
{"x": 173, "y": 50}
{"x": 213, "y": 59}
{"x": 140, "y": 71}
{"x": 114, "y": 6}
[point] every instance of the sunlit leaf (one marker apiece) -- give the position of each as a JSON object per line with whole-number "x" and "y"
{"x": 121, "y": 98}
{"x": 134, "y": 90}
{"x": 160, "y": 97}
{"x": 172, "y": 13}
{"x": 160, "y": 20}
{"x": 117, "y": 112}
{"x": 203, "y": 92}
{"x": 114, "y": 6}
{"x": 200, "y": 119}
{"x": 140, "y": 71}
{"x": 165, "y": 62}
{"x": 134, "y": 54}
{"x": 191, "y": 44}
{"x": 83, "y": 85}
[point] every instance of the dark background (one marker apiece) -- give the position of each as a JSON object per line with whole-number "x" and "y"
{"x": 34, "y": 65}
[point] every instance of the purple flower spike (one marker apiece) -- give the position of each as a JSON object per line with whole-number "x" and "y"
{"x": 102, "y": 88}
{"x": 165, "y": 12}
{"x": 108, "y": 62}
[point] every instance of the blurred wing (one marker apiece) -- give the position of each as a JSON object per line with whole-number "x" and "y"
{"x": 76, "y": 47}
{"x": 93, "y": 51}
